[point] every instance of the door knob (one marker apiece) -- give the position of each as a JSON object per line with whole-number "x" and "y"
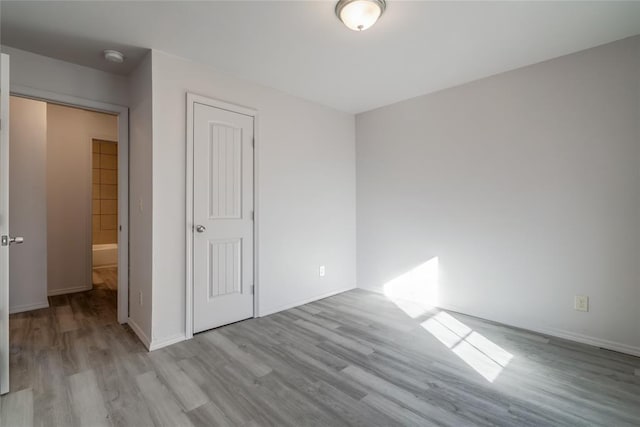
{"x": 6, "y": 240}
{"x": 201, "y": 228}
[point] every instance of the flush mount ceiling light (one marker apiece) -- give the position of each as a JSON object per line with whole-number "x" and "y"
{"x": 113, "y": 56}
{"x": 358, "y": 15}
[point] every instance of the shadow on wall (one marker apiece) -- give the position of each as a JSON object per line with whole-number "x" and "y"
{"x": 416, "y": 293}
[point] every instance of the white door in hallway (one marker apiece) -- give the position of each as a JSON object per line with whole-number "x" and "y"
{"x": 223, "y": 206}
{"x": 4, "y": 223}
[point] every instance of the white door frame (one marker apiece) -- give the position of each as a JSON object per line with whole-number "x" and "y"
{"x": 4, "y": 228}
{"x": 123, "y": 176}
{"x": 191, "y": 100}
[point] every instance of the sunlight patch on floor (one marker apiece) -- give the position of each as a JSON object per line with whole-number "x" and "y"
{"x": 477, "y": 351}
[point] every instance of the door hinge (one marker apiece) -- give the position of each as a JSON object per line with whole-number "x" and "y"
{"x": 253, "y": 142}
{"x": 253, "y": 289}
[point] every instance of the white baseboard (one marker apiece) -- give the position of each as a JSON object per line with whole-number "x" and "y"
{"x": 586, "y": 339}
{"x": 138, "y": 331}
{"x": 558, "y": 333}
{"x": 552, "y": 332}
{"x": 72, "y": 290}
{"x": 28, "y": 307}
{"x": 164, "y": 342}
{"x": 267, "y": 312}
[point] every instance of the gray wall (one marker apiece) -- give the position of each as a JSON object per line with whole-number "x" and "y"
{"x": 69, "y": 145}
{"x": 140, "y": 199}
{"x": 525, "y": 185}
{"x": 306, "y": 180}
{"x": 63, "y": 78}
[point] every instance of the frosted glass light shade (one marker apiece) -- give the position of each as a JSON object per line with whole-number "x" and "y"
{"x": 358, "y": 15}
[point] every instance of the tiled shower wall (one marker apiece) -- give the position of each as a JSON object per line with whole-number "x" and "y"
{"x": 105, "y": 192}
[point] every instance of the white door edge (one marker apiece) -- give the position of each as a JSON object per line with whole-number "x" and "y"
{"x": 4, "y": 226}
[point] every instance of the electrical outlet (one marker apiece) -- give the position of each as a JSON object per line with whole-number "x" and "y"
{"x": 140, "y": 298}
{"x": 321, "y": 271}
{"x": 581, "y": 303}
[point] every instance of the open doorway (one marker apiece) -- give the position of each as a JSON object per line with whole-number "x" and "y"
{"x": 68, "y": 192}
{"x": 104, "y": 215}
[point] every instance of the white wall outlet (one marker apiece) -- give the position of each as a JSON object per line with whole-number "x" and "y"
{"x": 581, "y": 303}
{"x": 321, "y": 271}
{"x": 140, "y": 298}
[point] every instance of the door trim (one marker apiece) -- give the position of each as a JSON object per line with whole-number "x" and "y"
{"x": 123, "y": 176}
{"x": 198, "y": 99}
{"x": 4, "y": 225}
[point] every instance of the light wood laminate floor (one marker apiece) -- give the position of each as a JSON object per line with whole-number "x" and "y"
{"x": 352, "y": 359}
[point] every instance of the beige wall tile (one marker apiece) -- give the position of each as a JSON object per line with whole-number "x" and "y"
{"x": 95, "y": 223}
{"x": 98, "y": 238}
{"x": 109, "y": 236}
{"x": 96, "y": 161}
{"x": 108, "y": 148}
{"x": 108, "y": 176}
{"x": 105, "y": 236}
{"x": 109, "y": 192}
{"x": 105, "y": 203}
{"x": 95, "y": 192}
{"x": 108, "y": 222}
{"x": 109, "y": 207}
{"x": 108, "y": 161}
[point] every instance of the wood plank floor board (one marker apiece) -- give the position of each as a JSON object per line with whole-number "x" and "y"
{"x": 354, "y": 412}
{"x": 300, "y": 371}
{"x": 309, "y": 308}
{"x": 87, "y": 401}
{"x": 443, "y": 415}
{"x": 352, "y": 359}
{"x": 318, "y": 319}
{"x": 402, "y": 415}
{"x": 209, "y": 415}
{"x": 227, "y": 397}
{"x": 476, "y": 407}
{"x": 123, "y": 399}
{"x": 186, "y": 391}
{"x": 357, "y": 345}
{"x": 282, "y": 401}
{"x": 52, "y": 406}
{"x": 17, "y": 409}
{"x": 249, "y": 361}
{"x": 164, "y": 409}
{"x": 293, "y": 362}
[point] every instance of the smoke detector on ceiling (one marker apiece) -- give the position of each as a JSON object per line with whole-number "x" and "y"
{"x": 113, "y": 56}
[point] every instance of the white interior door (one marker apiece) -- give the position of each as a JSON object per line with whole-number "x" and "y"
{"x": 4, "y": 223}
{"x": 222, "y": 217}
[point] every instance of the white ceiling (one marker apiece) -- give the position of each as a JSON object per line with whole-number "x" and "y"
{"x": 301, "y": 48}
